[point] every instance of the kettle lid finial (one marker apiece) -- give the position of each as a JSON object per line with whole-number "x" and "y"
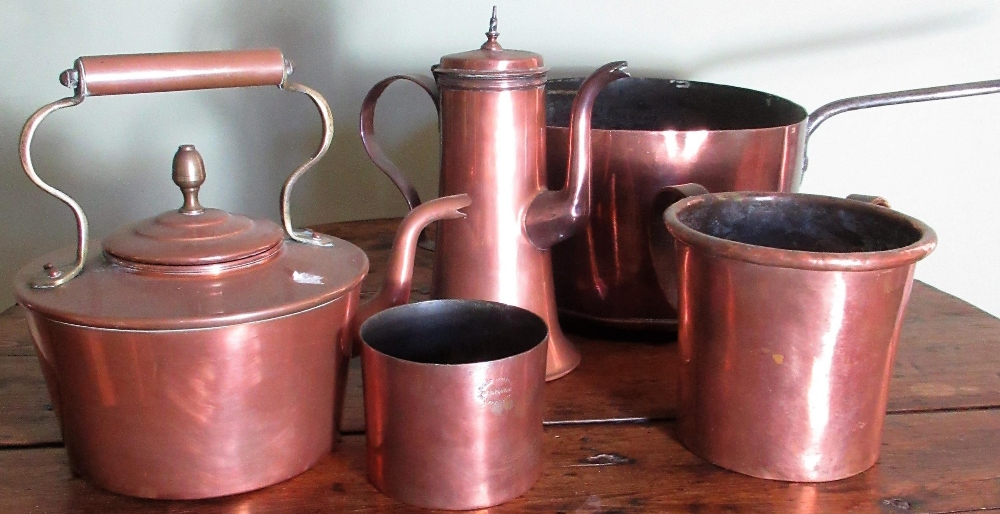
{"x": 189, "y": 175}
{"x": 492, "y": 34}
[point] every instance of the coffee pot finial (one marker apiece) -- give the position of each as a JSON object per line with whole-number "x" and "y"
{"x": 492, "y": 34}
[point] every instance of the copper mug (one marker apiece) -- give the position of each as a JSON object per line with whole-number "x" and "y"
{"x": 492, "y": 115}
{"x": 790, "y": 308}
{"x": 453, "y": 402}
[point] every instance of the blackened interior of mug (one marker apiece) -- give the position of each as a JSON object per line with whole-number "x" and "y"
{"x": 454, "y": 331}
{"x": 800, "y": 222}
{"x": 653, "y": 104}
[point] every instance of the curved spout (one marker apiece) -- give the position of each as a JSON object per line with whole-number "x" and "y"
{"x": 554, "y": 216}
{"x": 396, "y": 285}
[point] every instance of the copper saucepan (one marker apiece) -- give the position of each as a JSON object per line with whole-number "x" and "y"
{"x": 650, "y": 133}
{"x": 201, "y": 353}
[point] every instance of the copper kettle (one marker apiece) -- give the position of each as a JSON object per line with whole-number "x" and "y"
{"x": 491, "y": 105}
{"x": 201, "y": 353}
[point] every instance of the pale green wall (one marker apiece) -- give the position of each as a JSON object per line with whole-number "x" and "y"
{"x": 937, "y": 162}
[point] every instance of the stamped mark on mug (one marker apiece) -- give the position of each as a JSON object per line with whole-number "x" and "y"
{"x": 496, "y": 394}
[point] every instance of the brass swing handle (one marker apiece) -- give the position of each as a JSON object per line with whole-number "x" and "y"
{"x": 152, "y": 73}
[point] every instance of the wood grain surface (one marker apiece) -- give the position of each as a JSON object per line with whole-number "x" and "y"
{"x": 931, "y": 462}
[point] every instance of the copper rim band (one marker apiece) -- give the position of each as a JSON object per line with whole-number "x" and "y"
{"x": 489, "y": 81}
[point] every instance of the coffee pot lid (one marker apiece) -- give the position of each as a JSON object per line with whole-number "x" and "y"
{"x": 192, "y": 235}
{"x": 491, "y": 58}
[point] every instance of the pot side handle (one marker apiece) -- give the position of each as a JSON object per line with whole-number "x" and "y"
{"x": 107, "y": 75}
{"x": 661, "y": 242}
{"x": 872, "y": 199}
{"x": 836, "y": 107}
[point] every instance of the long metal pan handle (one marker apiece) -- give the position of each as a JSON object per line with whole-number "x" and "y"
{"x": 151, "y": 73}
{"x": 834, "y": 108}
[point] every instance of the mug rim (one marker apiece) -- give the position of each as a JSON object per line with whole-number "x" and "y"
{"x": 800, "y": 259}
{"x": 542, "y": 341}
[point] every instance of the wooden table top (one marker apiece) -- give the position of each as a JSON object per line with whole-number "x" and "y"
{"x": 940, "y": 452}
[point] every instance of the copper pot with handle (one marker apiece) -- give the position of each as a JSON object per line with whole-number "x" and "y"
{"x": 650, "y": 133}
{"x": 491, "y": 104}
{"x": 200, "y": 353}
{"x": 791, "y": 307}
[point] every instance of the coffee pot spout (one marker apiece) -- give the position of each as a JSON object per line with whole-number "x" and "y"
{"x": 554, "y": 216}
{"x": 399, "y": 275}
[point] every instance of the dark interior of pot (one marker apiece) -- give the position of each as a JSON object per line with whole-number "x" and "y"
{"x": 453, "y": 331}
{"x": 652, "y": 104}
{"x": 799, "y": 222}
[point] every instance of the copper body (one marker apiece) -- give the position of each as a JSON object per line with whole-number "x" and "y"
{"x": 492, "y": 147}
{"x": 202, "y": 353}
{"x": 491, "y": 103}
{"x": 652, "y": 133}
{"x": 453, "y": 402}
{"x": 195, "y": 413}
{"x": 222, "y": 408}
{"x": 790, "y": 312}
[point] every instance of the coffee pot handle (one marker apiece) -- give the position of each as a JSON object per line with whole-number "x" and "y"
{"x": 150, "y": 73}
{"x": 374, "y": 150}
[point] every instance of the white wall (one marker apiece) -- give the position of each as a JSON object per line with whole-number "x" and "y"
{"x": 937, "y": 162}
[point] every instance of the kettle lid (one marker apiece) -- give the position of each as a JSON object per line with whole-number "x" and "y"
{"x": 195, "y": 268}
{"x": 491, "y": 58}
{"x": 192, "y": 235}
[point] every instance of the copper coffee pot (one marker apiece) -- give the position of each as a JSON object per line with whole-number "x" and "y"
{"x": 491, "y": 104}
{"x": 202, "y": 353}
